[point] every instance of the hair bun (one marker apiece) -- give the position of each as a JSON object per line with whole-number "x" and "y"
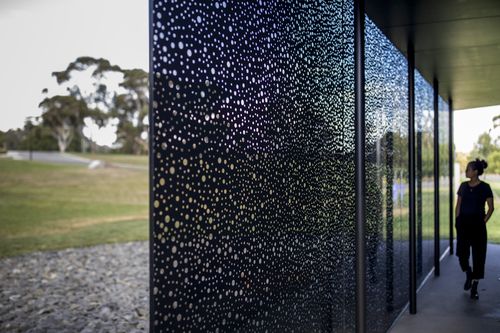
{"x": 484, "y": 163}
{"x": 479, "y": 165}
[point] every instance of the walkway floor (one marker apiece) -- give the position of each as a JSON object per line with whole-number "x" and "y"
{"x": 443, "y": 306}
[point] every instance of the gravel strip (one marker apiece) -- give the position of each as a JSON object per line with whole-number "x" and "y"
{"x": 96, "y": 289}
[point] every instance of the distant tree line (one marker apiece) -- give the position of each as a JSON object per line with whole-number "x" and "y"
{"x": 113, "y": 95}
{"x": 488, "y": 149}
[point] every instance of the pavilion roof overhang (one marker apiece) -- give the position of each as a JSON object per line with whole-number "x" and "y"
{"x": 456, "y": 41}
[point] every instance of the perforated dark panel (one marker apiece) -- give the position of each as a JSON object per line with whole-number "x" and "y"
{"x": 253, "y": 172}
{"x": 386, "y": 179}
{"x": 252, "y": 153}
{"x": 424, "y": 125}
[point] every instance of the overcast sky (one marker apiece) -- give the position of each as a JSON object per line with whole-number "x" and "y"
{"x": 471, "y": 123}
{"x": 38, "y": 37}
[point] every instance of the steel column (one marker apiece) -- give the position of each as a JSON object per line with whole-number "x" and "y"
{"x": 436, "y": 179}
{"x": 359, "y": 120}
{"x": 411, "y": 173}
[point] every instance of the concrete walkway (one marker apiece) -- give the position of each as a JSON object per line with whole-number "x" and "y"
{"x": 65, "y": 158}
{"x": 48, "y": 156}
{"x": 443, "y": 306}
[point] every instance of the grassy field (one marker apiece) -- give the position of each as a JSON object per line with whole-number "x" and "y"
{"x": 48, "y": 207}
{"x": 494, "y": 222}
{"x": 401, "y": 224}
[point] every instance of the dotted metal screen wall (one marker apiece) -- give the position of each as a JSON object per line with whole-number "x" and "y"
{"x": 424, "y": 147}
{"x": 253, "y": 166}
{"x": 444, "y": 174}
{"x": 386, "y": 179}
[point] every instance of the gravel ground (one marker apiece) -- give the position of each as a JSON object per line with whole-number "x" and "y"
{"x": 97, "y": 289}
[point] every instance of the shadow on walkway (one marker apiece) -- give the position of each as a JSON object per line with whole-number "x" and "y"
{"x": 443, "y": 305}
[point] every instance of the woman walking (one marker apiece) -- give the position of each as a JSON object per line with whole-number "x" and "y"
{"x": 471, "y": 224}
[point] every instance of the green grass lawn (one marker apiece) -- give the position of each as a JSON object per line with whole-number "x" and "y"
{"x": 401, "y": 220}
{"x": 494, "y": 222}
{"x": 48, "y": 207}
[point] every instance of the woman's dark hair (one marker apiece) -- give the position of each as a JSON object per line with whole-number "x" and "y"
{"x": 479, "y": 165}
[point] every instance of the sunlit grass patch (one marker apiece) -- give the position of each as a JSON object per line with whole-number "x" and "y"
{"x": 46, "y": 206}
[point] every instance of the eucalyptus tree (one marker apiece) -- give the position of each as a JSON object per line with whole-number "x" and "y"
{"x": 62, "y": 115}
{"x": 96, "y": 94}
{"x": 131, "y": 109}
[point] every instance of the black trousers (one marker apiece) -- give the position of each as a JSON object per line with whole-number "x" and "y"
{"x": 471, "y": 234}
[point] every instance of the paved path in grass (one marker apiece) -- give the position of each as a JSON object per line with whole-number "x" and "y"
{"x": 96, "y": 289}
{"x": 47, "y": 156}
{"x": 65, "y": 158}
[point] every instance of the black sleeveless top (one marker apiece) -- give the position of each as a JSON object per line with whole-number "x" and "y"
{"x": 474, "y": 198}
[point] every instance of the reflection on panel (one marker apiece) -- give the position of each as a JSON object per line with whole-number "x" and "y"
{"x": 444, "y": 174}
{"x": 424, "y": 146}
{"x": 253, "y": 169}
{"x": 386, "y": 179}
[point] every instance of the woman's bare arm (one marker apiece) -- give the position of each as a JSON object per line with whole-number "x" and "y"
{"x": 491, "y": 208}
{"x": 457, "y": 208}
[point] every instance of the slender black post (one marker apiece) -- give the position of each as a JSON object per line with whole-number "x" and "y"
{"x": 451, "y": 171}
{"x": 359, "y": 121}
{"x": 419, "y": 244}
{"x": 411, "y": 158}
{"x": 436, "y": 179}
{"x": 29, "y": 121}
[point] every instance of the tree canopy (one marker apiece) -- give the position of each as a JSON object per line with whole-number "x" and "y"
{"x": 63, "y": 114}
{"x": 108, "y": 96}
{"x": 487, "y": 149}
